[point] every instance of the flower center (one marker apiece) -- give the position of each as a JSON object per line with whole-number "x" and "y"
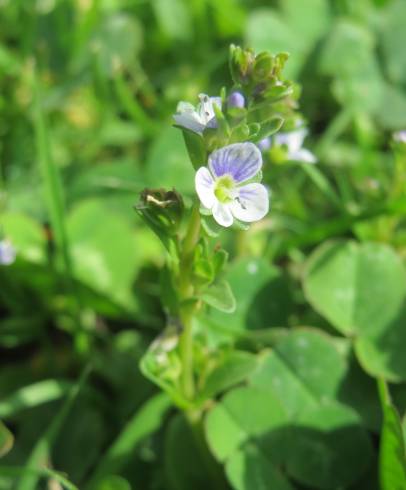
{"x": 224, "y": 188}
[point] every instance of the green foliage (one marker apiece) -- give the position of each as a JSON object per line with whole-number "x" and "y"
{"x": 392, "y": 466}
{"x": 6, "y": 440}
{"x": 365, "y": 299}
{"x": 290, "y": 324}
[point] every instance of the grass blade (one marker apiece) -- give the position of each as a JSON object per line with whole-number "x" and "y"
{"x": 52, "y": 182}
{"x": 16, "y": 471}
{"x": 40, "y": 453}
{"x": 33, "y": 395}
{"x": 145, "y": 421}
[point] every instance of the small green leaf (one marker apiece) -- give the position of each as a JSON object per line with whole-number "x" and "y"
{"x": 210, "y": 227}
{"x": 6, "y": 439}
{"x": 392, "y": 454}
{"x": 220, "y": 258}
{"x": 220, "y": 296}
{"x": 233, "y": 369}
{"x": 195, "y": 147}
{"x": 268, "y": 128}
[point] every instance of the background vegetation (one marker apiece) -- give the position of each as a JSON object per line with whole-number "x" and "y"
{"x": 87, "y": 90}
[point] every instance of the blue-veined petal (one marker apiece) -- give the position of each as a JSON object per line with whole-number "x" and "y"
{"x": 252, "y": 203}
{"x": 241, "y": 160}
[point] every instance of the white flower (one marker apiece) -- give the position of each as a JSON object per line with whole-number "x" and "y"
{"x": 400, "y": 136}
{"x": 293, "y": 140}
{"x": 221, "y": 187}
{"x": 199, "y": 118}
{"x": 7, "y": 253}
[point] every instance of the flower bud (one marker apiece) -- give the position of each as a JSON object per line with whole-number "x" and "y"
{"x": 241, "y": 63}
{"x": 236, "y": 99}
{"x": 161, "y": 209}
{"x": 263, "y": 67}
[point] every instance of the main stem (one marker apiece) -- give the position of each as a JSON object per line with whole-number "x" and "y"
{"x": 187, "y": 309}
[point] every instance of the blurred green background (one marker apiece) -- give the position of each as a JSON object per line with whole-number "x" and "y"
{"x": 87, "y": 90}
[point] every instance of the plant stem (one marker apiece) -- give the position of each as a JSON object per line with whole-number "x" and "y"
{"x": 187, "y": 308}
{"x": 186, "y": 352}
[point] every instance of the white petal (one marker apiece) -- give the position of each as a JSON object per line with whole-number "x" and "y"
{"x": 185, "y": 107}
{"x": 303, "y": 155}
{"x": 293, "y": 140}
{"x": 252, "y": 203}
{"x": 216, "y": 101}
{"x": 204, "y": 184}
{"x": 189, "y": 120}
{"x": 222, "y": 214}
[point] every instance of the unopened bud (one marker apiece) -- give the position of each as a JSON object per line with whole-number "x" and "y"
{"x": 236, "y": 99}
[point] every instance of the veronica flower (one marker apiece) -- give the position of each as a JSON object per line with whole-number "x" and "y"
{"x": 7, "y": 253}
{"x": 293, "y": 140}
{"x": 224, "y": 189}
{"x": 199, "y": 118}
{"x": 400, "y": 136}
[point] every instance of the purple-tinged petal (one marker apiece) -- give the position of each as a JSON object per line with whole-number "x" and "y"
{"x": 7, "y": 253}
{"x": 264, "y": 144}
{"x": 251, "y": 204}
{"x": 222, "y": 214}
{"x": 241, "y": 161}
{"x": 204, "y": 184}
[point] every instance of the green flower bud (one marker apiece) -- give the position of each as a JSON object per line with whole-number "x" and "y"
{"x": 241, "y": 64}
{"x": 263, "y": 67}
{"x": 162, "y": 210}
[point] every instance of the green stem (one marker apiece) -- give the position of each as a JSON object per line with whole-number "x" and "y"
{"x": 186, "y": 353}
{"x": 187, "y": 308}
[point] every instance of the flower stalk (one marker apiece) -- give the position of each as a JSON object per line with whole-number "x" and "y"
{"x": 187, "y": 305}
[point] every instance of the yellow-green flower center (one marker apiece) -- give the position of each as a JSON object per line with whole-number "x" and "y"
{"x": 224, "y": 188}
